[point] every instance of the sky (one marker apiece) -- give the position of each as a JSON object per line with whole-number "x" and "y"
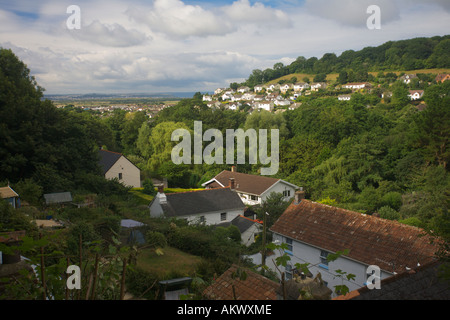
{"x": 154, "y": 46}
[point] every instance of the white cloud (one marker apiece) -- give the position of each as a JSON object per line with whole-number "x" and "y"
{"x": 109, "y": 35}
{"x": 178, "y": 20}
{"x": 242, "y": 11}
{"x": 176, "y": 45}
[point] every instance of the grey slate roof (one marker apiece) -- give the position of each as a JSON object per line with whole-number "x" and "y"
{"x": 203, "y": 201}
{"x": 60, "y": 197}
{"x": 108, "y": 159}
{"x": 421, "y": 283}
{"x": 242, "y": 223}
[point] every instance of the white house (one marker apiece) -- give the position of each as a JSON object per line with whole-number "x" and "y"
{"x": 266, "y": 105}
{"x": 282, "y": 102}
{"x": 344, "y": 97}
{"x": 210, "y": 207}
{"x": 318, "y": 85}
{"x": 248, "y": 96}
{"x": 357, "y": 85}
{"x": 299, "y": 86}
{"x": 207, "y": 97}
{"x": 415, "y": 94}
{"x": 259, "y": 88}
{"x": 285, "y": 87}
{"x": 249, "y": 228}
{"x": 253, "y": 189}
{"x": 312, "y": 231}
{"x": 117, "y": 166}
{"x": 236, "y": 97}
{"x": 243, "y": 89}
{"x": 406, "y": 78}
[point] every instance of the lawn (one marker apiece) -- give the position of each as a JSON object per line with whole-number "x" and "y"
{"x": 172, "y": 261}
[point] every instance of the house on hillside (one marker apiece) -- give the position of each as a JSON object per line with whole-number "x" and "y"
{"x": 259, "y": 88}
{"x": 266, "y": 105}
{"x": 117, "y": 166}
{"x": 344, "y": 97}
{"x": 230, "y": 287}
{"x": 406, "y": 78}
{"x": 442, "y": 77}
{"x": 10, "y": 196}
{"x": 313, "y": 230}
{"x": 210, "y": 207}
{"x": 243, "y": 89}
{"x": 300, "y": 86}
{"x": 248, "y": 228}
{"x": 315, "y": 86}
{"x": 357, "y": 85}
{"x": 253, "y": 189}
{"x": 415, "y": 94}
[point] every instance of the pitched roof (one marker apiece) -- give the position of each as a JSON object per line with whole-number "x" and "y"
{"x": 7, "y": 192}
{"x": 202, "y": 201}
{"x": 420, "y": 283}
{"x": 371, "y": 240}
{"x": 60, "y": 197}
{"x": 254, "y": 287}
{"x": 241, "y": 222}
{"x": 248, "y": 183}
{"x": 108, "y": 159}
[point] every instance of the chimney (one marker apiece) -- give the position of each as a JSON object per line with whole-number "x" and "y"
{"x": 299, "y": 196}
{"x": 233, "y": 169}
{"x": 232, "y": 185}
{"x": 161, "y": 196}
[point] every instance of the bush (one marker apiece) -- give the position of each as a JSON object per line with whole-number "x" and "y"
{"x": 149, "y": 188}
{"x": 388, "y": 213}
{"x": 392, "y": 199}
{"x": 155, "y": 239}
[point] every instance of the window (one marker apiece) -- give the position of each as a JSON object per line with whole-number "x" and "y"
{"x": 254, "y": 198}
{"x": 288, "y": 270}
{"x": 286, "y": 193}
{"x": 223, "y": 216}
{"x": 323, "y": 259}
{"x": 288, "y": 243}
{"x": 120, "y": 176}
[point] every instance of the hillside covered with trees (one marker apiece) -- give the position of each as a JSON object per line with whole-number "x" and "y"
{"x": 403, "y": 55}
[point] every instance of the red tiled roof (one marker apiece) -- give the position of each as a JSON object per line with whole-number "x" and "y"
{"x": 371, "y": 240}
{"x": 247, "y": 183}
{"x": 254, "y": 287}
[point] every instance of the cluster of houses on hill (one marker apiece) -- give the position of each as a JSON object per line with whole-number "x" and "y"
{"x": 284, "y": 96}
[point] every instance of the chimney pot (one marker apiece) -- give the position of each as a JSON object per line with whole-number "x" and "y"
{"x": 161, "y": 188}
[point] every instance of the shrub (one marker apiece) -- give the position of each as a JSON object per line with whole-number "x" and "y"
{"x": 387, "y": 212}
{"x": 155, "y": 239}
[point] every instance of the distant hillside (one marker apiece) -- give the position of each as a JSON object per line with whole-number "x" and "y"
{"x": 398, "y": 56}
{"x": 334, "y": 76}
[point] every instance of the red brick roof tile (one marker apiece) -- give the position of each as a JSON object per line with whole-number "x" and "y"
{"x": 254, "y": 287}
{"x": 371, "y": 240}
